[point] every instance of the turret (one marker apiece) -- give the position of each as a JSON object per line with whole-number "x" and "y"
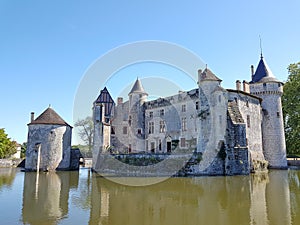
{"x": 207, "y": 80}
{"x": 137, "y": 94}
{"x": 213, "y": 107}
{"x": 136, "y": 120}
{"x": 266, "y": 86}
{"x": 102, "y": 113}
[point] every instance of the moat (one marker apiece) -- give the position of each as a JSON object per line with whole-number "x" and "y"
{"x": 83, "y": 197}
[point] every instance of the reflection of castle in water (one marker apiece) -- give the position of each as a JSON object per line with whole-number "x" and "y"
{"x": 258, "y": 199}
{"x": 46, "y": 196}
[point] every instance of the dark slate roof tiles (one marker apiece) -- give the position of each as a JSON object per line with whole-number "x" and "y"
{"x": 49, "y": 116}
{"x": 263, "y": 73}
{"x": 207, "y": 74}
{"x": 137, "y": 88}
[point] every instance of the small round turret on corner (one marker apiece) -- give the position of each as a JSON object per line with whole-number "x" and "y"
{"x": 265, "y": 85}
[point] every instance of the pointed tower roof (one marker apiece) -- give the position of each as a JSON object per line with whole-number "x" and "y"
{"x": 49, "y": 116}
{"x": 263, "y": 73}
{"x": 137, "y": 88}
{"x": 207, "y": 75}
{"x": 107, "y": 100}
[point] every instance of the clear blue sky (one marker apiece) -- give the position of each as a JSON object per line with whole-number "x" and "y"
{"x": 46, "y": 46}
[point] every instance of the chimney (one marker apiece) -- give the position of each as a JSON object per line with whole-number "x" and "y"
{"x": 32, "y": 117}
{"x": 199, "y": 75}
{"x": 238, "y": 85}
{"x": 252, "y": 72}
{"x": 120, "y": 100}
{"x": 246, "y": 86}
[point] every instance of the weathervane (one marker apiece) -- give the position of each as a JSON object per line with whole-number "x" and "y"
{"x": 261, "y": 55}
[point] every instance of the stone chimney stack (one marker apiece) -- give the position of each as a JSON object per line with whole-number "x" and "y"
{"x": 32, "y": 117}
{"x": 246, "y": 86}
{"x": 252, "y": 72}
{"x": 120, "y": 100}
{"x": 238, "y": 85}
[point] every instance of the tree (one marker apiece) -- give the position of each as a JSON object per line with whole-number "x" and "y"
{"x": 23, "y": 149}
{"x": 86, "y": 131}
{"x": 291, "y": 109}
{"x": 7, "y": 147}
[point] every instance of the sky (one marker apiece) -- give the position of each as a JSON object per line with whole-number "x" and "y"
{"x": 48, "y": 47}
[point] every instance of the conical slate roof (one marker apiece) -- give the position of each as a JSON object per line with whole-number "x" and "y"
{"x": 263, "y": 73}
{"x": 49, "y": 116}
{"x": 137, "y": 88}
{"x": 207, "y": 75}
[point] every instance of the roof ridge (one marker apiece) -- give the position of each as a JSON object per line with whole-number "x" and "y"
{"x": 49, "y": 116}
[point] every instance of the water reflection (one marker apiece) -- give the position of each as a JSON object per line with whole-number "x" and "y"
{"x": 7, "y": 176}
{"x": 257, "y": 199}
{"x": 204, "y": 200}
{"x": 46, "y": 196}
{"x": 85, "y": 198}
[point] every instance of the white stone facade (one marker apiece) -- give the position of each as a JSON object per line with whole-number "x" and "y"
{"x": 247, "y": 123}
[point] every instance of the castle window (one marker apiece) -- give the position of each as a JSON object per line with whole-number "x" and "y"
{"x": 279, "y": 84}
{"x": 197, "y": 105}
{"x": 183, "y": 124}
{"x": 265, "y": 85}
{"x": 220, "y": 120}
{"x": 129, "y": 121}
{"x": 151, "y": 114}
{"x": 162, "y": 126}
{"x": 219, "y": 98}
{"x": 146, "y": 145}
{"x": 182, "y": 142}
{"x": 129, "y": 148}
{"x": 112, "y": 130}
{"x": 139, "y": 131}
{"x": 247, "y": 103}
{"x": 278, "y": 114}
{"x": 124, "y": 130}
{"x": 151, "y": 127}
{"x": 183, "y": 108}
{"x": 248, "y": 121}
{"x": 152, "y": 147}
{"x": 159, "y": 145}
{"x": 162, "y": 112}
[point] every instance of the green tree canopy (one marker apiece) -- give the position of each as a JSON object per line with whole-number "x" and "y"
{"x": 291, "y": 109}
{"x": 7, "y": 147}
{"x": 85, "y": 130}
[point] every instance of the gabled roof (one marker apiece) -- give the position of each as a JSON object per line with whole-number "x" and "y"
{"x": 207, "y": 75}
{"x": 137, "y": 88}
{"x": 106, "y": 99}
{"x": 49, "y": 116}
{"x": 263, "y": 73}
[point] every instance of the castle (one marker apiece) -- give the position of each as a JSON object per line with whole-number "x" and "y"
{"x": 234, "y": 131}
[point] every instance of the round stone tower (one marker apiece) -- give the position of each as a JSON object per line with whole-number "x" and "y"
{"x": 266, "y": 86}
{"x": 48, "y": 143}
{"x": 136, "y": 117}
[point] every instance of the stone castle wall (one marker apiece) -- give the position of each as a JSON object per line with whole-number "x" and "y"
{"x": 55, "y": 150}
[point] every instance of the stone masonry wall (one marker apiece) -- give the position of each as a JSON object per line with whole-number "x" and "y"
{"x": 55, "y": 147}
